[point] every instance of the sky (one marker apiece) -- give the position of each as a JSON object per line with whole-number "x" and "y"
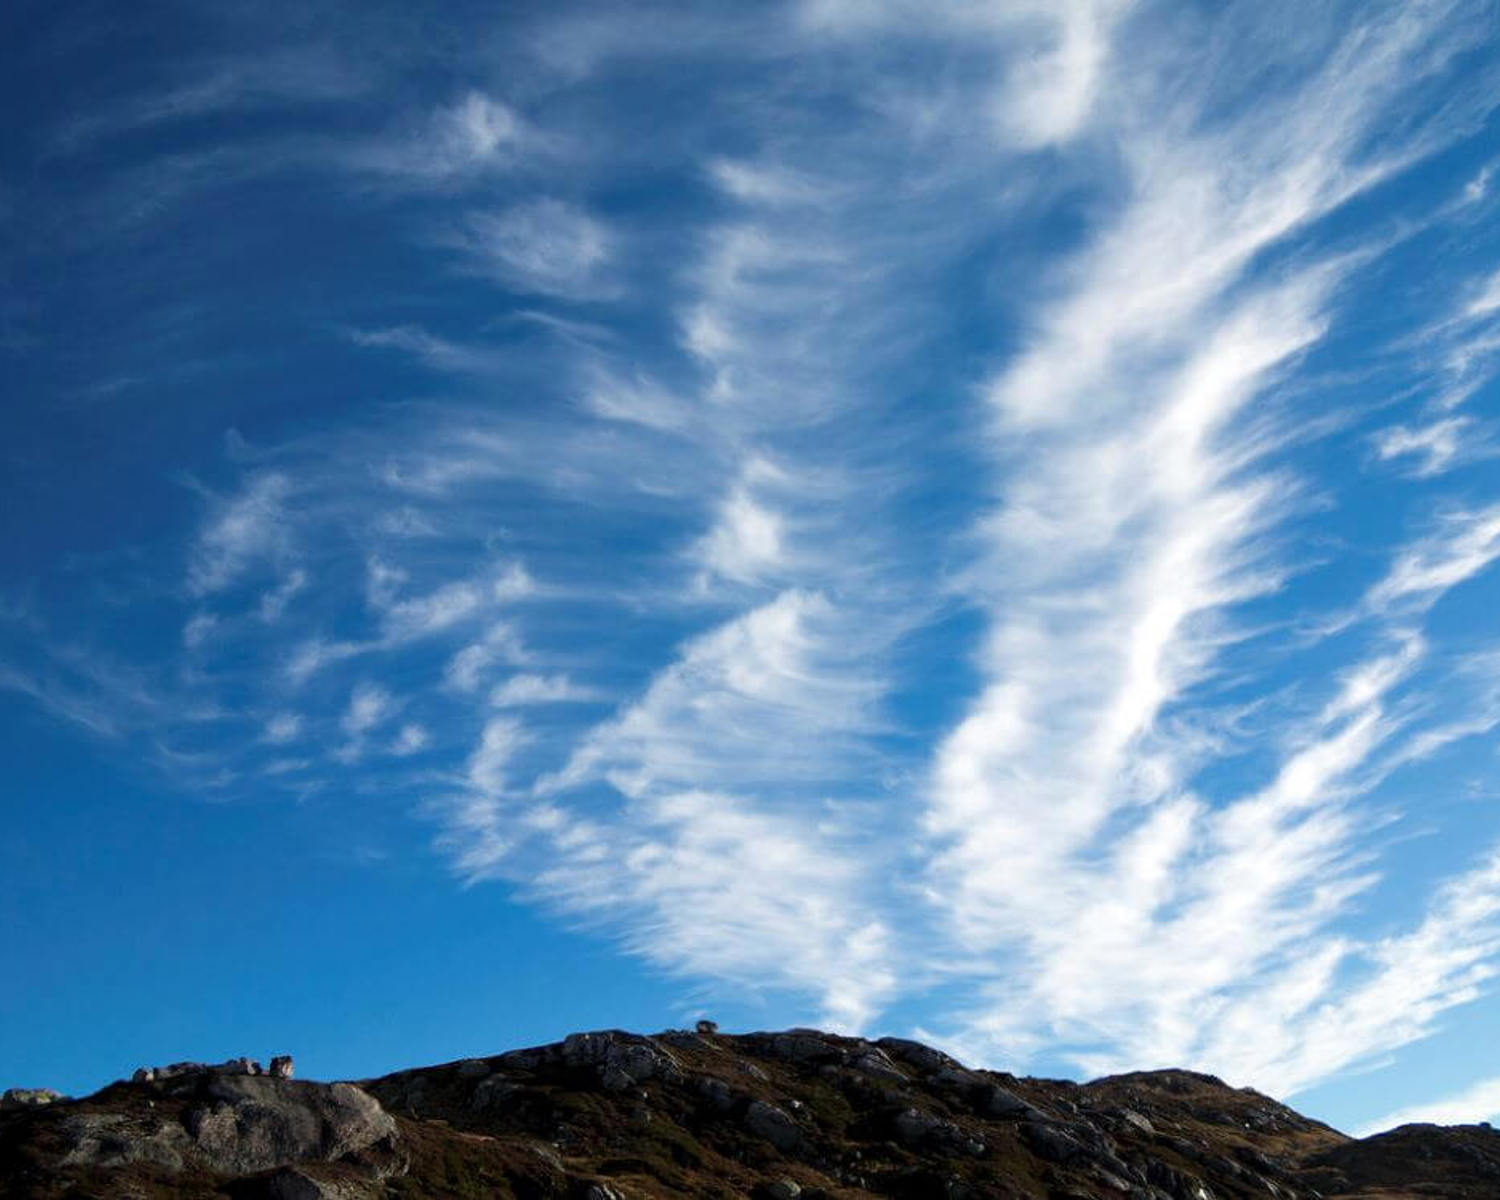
{"x": 974, "y": 521}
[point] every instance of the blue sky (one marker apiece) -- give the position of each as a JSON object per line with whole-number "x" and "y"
{"x": 972, "y": 520}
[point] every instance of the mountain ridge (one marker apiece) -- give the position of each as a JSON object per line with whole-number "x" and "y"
{"x": 799, "y": 1113}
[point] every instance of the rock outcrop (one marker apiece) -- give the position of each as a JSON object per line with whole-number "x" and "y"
{"x": 794, "y": 1115}
{"x": 14, "y": 1098}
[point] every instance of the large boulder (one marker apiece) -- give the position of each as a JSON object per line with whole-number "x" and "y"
{"x": 14, "y": 1098}
{"x": 619, "y": 1060}
{"x": 111, "y": 1140}
{"x": 254, "y": 1122}
{"x": 774, "y": 1125}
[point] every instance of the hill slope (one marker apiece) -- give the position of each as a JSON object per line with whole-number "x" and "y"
{"x": 617, "y": 1116}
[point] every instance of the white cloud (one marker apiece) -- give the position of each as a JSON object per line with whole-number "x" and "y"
{"x": 412, "y": 739}
{"x": 1122, "y": 909}
{"x": 1436, "y": 445}
{"x": 439, "y": 353}
{"x": 547, "y": 246}
{"x": 273, "y": 603}
{"x": 501, "y": 645}
{"x": 1050, "y": 94}
{"x": 521, "y": 690}
{"x": 747, "y": 541}
{"x": 1486, "y": 300}
{"x": 490, "y": 762}
{"x": 1478, "y": 1102}
{"x": 708, "y": 885}
{"x": 313, "y": 655}
{"x": 282, "y": 728}
{"x": 455, "y": 145}
{"x": 1465, "y": 544}
{"x": 62, "y": 701}
{"x": 769, "y": 695}
{"x": 514, "y": 583}
{"x": 422, "y": 616}
{"x": 199, "y": 628}
{"x": 241, "y": 532}
{"x": 1478, "y": 187}
{"x": 369, "y": 705}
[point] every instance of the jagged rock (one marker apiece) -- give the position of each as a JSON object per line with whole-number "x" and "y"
{"x": 924, "y": 1058}
{"x": 707, "y": 1028}
{"x": 14, "y": 1098}
{"x": 1072, "y": 1143}
{"x": 109, "y": 1140}
{"x": 875, "y": 1062}
{"x": 783, "y": 1189}
{"x": 602, "y": 1191}
{"x": 253, "y": 1123}
{"x": 282, "y": 1067}
{"x": 992, "y": 1100}
{"x": 766, "y": 1121}
{"x": 621, "y": 1061}
{"x": 804, "y": 1046}
{"x": 915, "y": 1127}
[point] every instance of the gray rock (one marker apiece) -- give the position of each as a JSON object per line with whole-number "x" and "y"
{"x": 682, "y": 1039}
{"x": 1136, "y": 1121}
{"x": 913, "y": 1125}
{"x": 603, "y": 1191}
{"x": 924, "y": 1058}
{"x": 916, "y": 1127}
{"x": 621, "y": 1061}
{"x": 254, "y": 1123}
{"x": 783, "y": 1189}
{"x": 875, "y": 1062}
{"x": 109, "y": 1140}
{"x": 805, "y": 1045}
{"x": 992, "y": 1100}
{"x": 770, "y": 1123}
{"x": 282, "y": 1067}
{"x": 957, "y": 1079}
{"x": 175, "y": 1070}
{"x": 1075, "y": 1144}
{"x": 707, "y": 1028}
{"x": 29, "y": 1098}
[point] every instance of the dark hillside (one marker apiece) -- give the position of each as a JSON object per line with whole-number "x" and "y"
{"x": 615, "y": 1116}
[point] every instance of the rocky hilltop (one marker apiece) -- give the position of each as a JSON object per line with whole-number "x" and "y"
{"x": 774, "y": 1116}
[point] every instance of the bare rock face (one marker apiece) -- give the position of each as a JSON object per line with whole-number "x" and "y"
{"x": 253, "y": 1123}
{"x": 14, "y": 1098}
{"x": 620, "y": 1060}
{"x": 773, "y": 1124}
{"x": 111, "y": 1140}
{"x": 281, "y": 1067}
{"x": 230, "y": 1124}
